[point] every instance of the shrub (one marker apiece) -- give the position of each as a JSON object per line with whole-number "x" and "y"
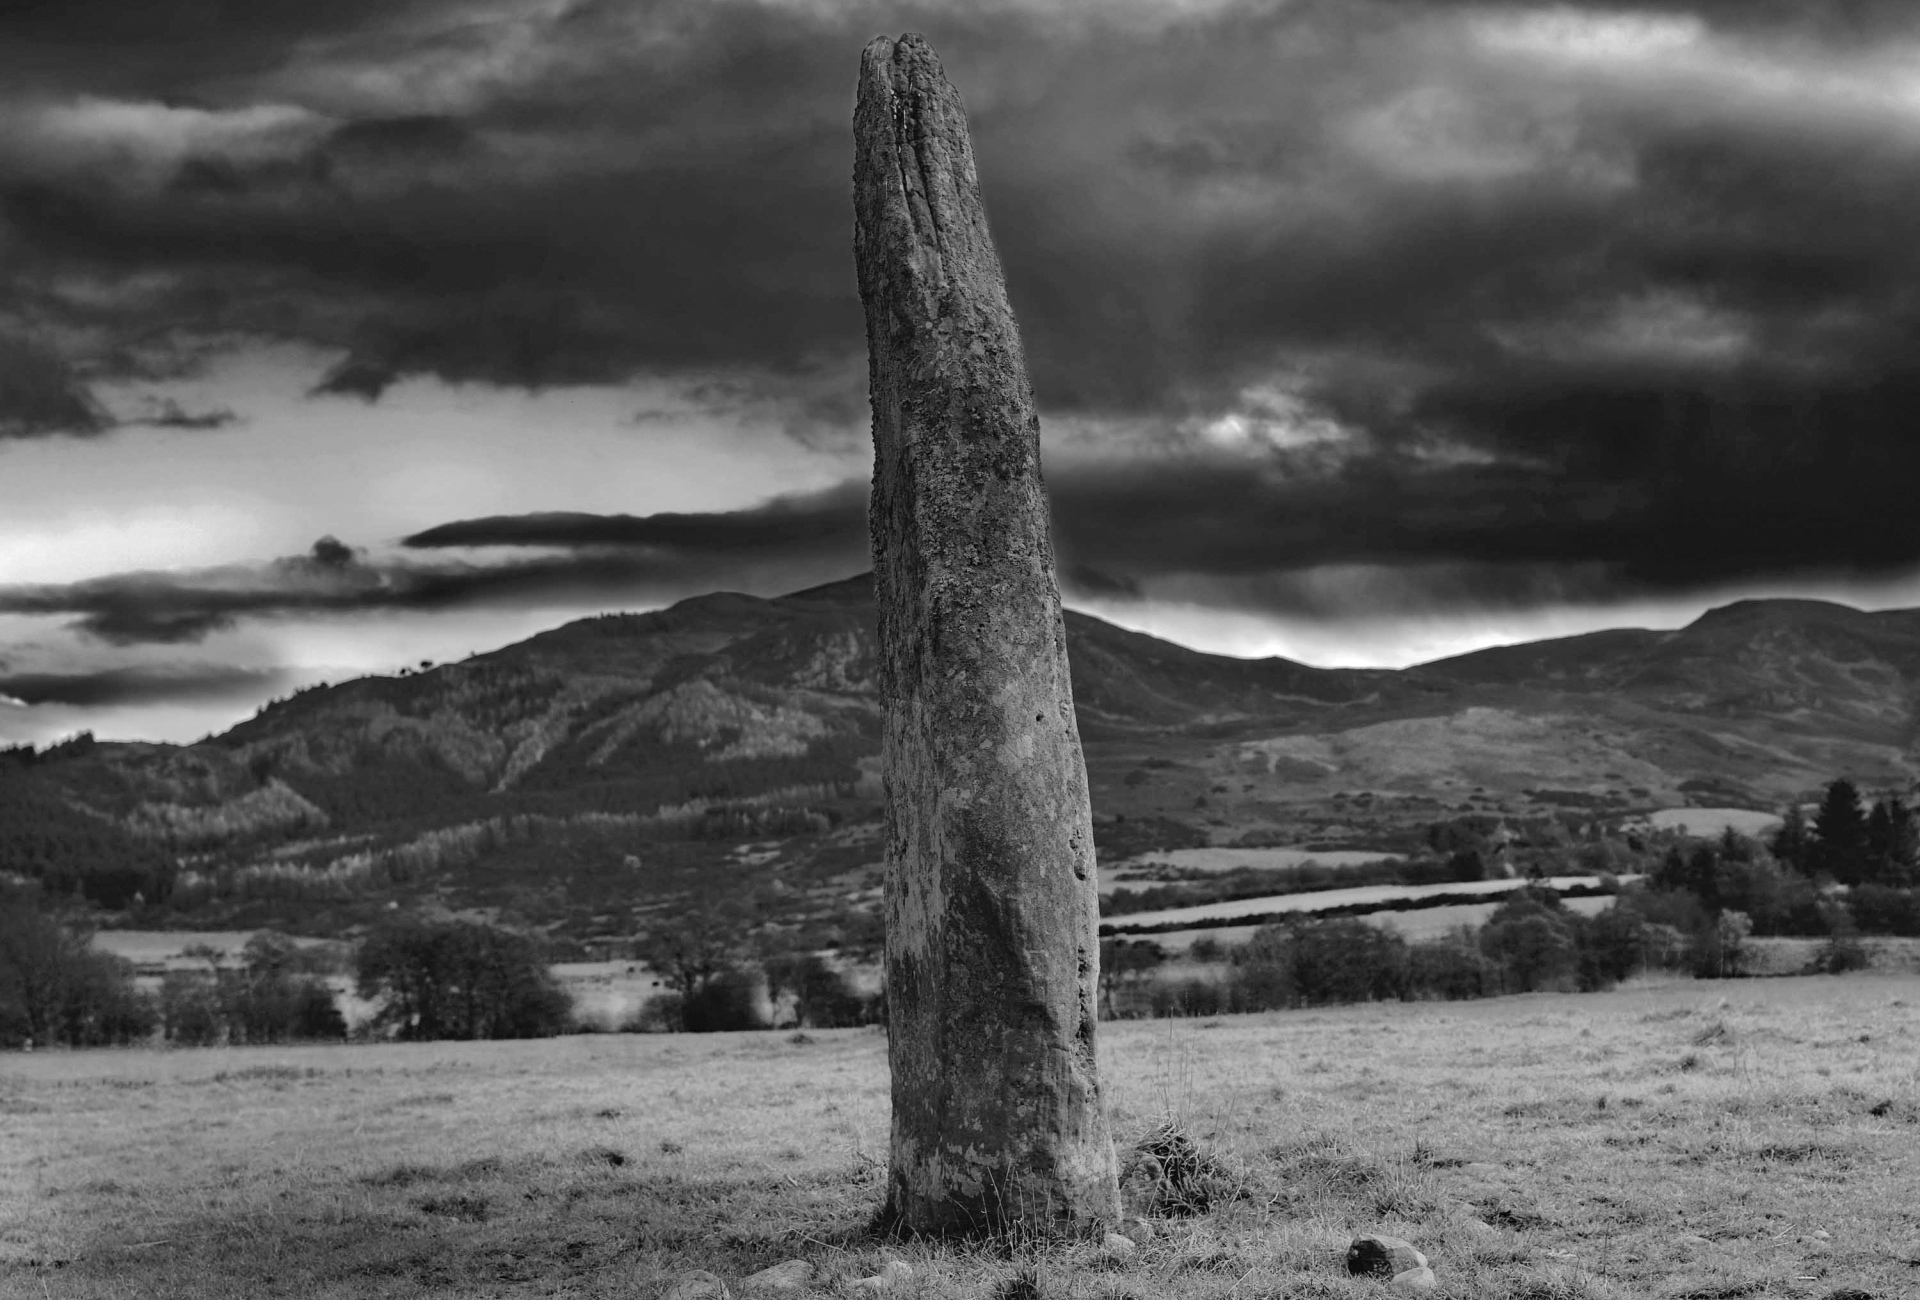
{"x": 1838, "y": 955}
{"x": 1883, "y": 909}
{"x": 1531, "y": 937}
{"x": 1451, "y": 970}
{"x": 1193, "y": 997}
{"x": 822, "y": 998}
{"x": 724, "y": 1002}
{"x": 1718, "y": 950}
{"x": 662, "y": 1013}
{"x": 1314, "y": 963}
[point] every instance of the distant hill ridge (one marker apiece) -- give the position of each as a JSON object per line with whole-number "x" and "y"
{"x": 729, "y": 697}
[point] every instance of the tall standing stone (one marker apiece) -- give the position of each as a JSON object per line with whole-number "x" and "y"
{"x": 992, "y": 905}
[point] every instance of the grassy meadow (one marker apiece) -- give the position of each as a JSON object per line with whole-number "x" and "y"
{"x": 1757, "y": 1138}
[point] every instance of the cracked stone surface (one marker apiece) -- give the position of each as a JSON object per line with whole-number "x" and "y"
{"x": 992, "y": 910}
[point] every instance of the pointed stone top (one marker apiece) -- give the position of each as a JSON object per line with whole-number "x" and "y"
{"x": 918, "y": 219}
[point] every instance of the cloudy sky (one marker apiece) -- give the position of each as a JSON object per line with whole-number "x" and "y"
{"x": 334, "y": 337}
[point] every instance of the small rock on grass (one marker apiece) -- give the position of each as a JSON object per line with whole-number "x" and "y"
{"x": 1117, "y": 1246}
{"x": 790, "y": 1276}
{"x": 696, "y": 1285}
{"x": 896, "y": 1272}
{"x": 1414, "y": 1281}
{"x": 1373, "y": 1256}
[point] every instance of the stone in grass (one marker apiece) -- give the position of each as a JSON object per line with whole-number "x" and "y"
{"x": 894, "y": 1274}
{"x": 1414, "y": 1281}
{"x": 790, "y": 1276}
{"x": 1372, "y": 1256}
{"x": 1117, "y": 1247}
{"x": 696, "y": 1285}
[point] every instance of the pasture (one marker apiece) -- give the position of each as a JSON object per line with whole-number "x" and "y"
{"x": 1374, "y": 898}
{"x": 1667, "y": 1139}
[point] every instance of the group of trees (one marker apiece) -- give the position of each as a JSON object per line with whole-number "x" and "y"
{"x": 460, "y": 979}
{"x": 1854, "y": 869}
{"x": 1852, "y": 843}
{"x": 714, "y": 984}
{"x": 274, "y": 993}
{"x": 430, "y": 979}
{"x": 54, "y": 988}
{"x": 68, "y": 853}
{"x": 1531, "y": 942}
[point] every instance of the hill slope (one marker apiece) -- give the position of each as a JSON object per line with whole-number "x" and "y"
{"x": 727, "y": 748}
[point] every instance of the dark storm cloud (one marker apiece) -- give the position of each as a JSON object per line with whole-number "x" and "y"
{"x": 1266, "y": 531}
{"x": 682, "y": 559}
{"x": 41, "y": 396}
{"x": 1624, "y": 289}
{"x": 122, "y": 686}
{"x": 827, "y": 524}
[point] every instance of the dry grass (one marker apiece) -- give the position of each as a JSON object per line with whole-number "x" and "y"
{"x": 1672, "y": 1140}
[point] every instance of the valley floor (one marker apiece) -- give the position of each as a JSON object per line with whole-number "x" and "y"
{"x": 1668, "y": 1139}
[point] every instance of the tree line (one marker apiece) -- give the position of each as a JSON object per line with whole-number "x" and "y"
{"x": 1532, "y": 941}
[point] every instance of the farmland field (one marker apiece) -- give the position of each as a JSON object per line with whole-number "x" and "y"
{"x": 1369, "y": 897}
{"x": 1668, "y": 1139}
{"x": 1132, "y": 871}
{"x": 1710, "y": 822}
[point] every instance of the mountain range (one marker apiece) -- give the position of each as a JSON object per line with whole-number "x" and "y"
{"x": 728, "y": 747}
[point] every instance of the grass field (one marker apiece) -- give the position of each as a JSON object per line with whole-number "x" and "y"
{"x": 1681, "y": 1139}
{"x": 1382, "y": 897}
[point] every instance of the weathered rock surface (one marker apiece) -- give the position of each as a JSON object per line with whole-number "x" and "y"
{"x": 1414, "y": 1281}
{"x": 790, "y": 1276}
{"x": 696, "y": 1285}
{"x": 992, "y": 911}
{"x": 1373, "y": 1256}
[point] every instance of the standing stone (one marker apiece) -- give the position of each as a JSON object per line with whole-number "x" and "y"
{"x": 992, "y": 910}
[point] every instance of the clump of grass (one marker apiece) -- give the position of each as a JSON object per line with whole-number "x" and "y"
{"x": 1180, "y": 1180}
{"x": 406, "y": 1175}
{"x": 1319, "y": 1169}
{"x": 461, "y": 1205}
{"x": 1713, "y": 1034}
{"x": 1023, "y": 1285}
{"x": 266, "y": 1073}
{"x": 1426, "y": 1157}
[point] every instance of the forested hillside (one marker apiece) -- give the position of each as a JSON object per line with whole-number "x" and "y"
{"x": 723, "y": 755}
